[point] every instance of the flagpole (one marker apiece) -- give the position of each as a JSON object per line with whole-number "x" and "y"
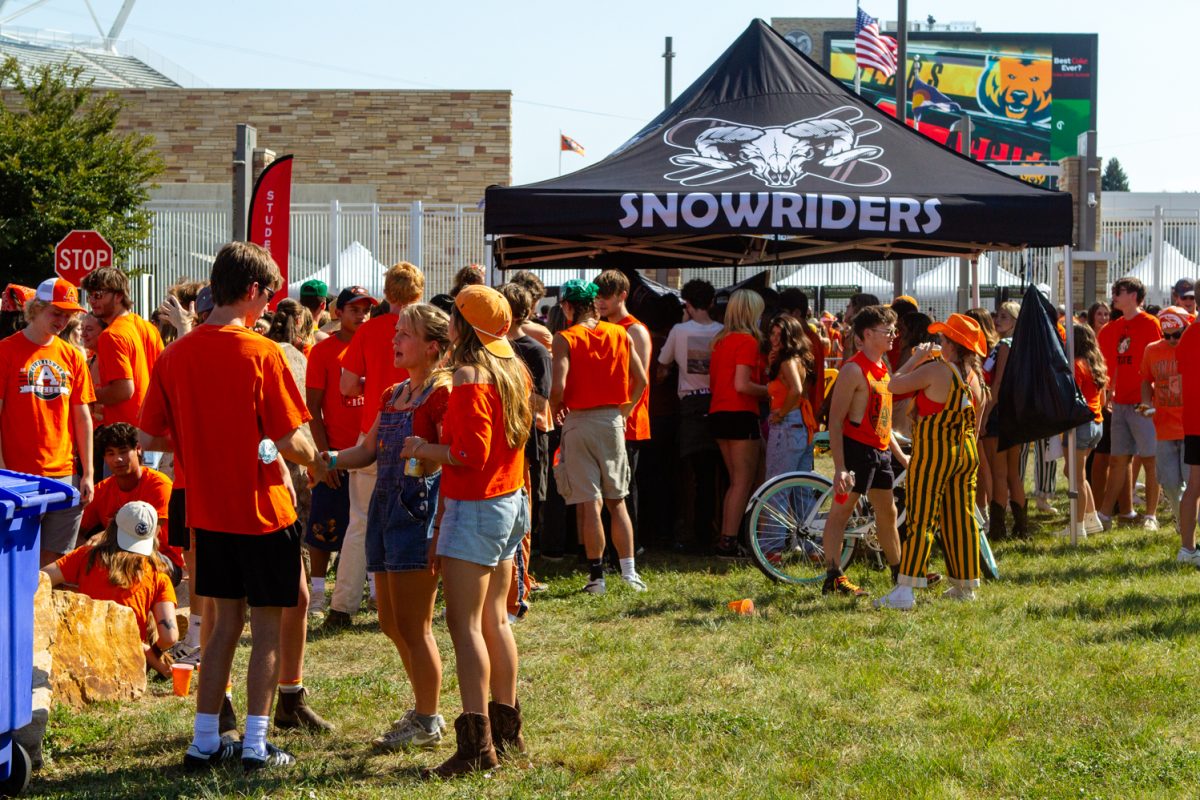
{"x": 902, "y": 62}
{"x": 560, "y": 135}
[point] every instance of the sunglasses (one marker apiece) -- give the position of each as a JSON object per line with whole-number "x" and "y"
{"x": 98, "y": 294}
{"x": 1175, "y": 335}
{"x": 269, "y": 293}
{"x": 888, "y": 332}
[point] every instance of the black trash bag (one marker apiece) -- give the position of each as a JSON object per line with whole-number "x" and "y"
{"x": 1038, "y": 396}
{"x": 648, "y": 299}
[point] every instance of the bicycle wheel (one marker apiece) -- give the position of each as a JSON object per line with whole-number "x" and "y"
{"x": 785, "y": 524}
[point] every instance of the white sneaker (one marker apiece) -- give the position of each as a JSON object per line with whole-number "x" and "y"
{"x": 411, "y": 733}
{"x": 1066, "y": 532}
{"x": 1092, "y": 523}
{"x": 959, "y": 593}
{"x": 900, "y": 598}
{"x": 1043, "y": 505}
{"x": 635, "y": 581}
{"x": 1188, "y": 557}
{"x": 1150, "y": 524}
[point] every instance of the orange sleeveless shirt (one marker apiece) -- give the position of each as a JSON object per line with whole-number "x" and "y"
{"x": 875, "y": 429}
{"x": 599, "y": 373}
{"x": 638, "y": 427}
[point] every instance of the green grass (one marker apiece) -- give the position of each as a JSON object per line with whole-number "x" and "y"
{"x": 1071, "y": 677}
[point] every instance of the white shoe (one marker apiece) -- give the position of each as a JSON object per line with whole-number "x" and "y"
{"x": 959, "y": 593}
{"x": 635, "y": 581}
{"x": 1188, "y": 557}
{"x": 1066, "y": 532}
{"x": 1044, "y": 506}
{"x": 1092, "y": 523}
{"x": 1150, "y": 524}
{"x": 900, "y": 598}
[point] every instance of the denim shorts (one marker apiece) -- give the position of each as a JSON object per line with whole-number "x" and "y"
{"x": 1132, "y": 434}
{"x": 400, "y": 525}
{"x": 1087, "y": 435}
{"x": 484, "y": 532}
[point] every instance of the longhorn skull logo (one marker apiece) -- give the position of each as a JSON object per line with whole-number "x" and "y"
{"x": 780, "y": 156}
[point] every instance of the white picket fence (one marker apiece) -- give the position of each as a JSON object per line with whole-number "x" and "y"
{"x": 353, "y": 243}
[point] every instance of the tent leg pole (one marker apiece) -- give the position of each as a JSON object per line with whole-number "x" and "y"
{"x": 1073, "y": 476}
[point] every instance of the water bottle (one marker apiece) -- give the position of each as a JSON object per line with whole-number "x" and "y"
{"x": 413, "y": 468}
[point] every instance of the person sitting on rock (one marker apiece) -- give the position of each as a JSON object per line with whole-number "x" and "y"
{"x": 124, "y": 567}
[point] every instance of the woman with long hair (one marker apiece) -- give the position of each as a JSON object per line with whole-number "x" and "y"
{"x": 1091, "y": 376}
{"x": 1098, "y": 315}
{"x": 292, "y": 324}
{"x": 1007, "y": 488}
{"x": 485, "y": 516}
{"x": 792, "y": 422}
{"x": 401, "y": 513}
{"x": 735, "y": 376}
{"x": 945, "y": 458}
{"x": 983, "y": 488}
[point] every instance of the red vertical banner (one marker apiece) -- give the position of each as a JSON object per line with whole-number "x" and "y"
{"x": 271, "y": 215}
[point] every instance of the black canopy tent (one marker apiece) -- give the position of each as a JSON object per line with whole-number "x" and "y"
{"x": 768, "y": 159}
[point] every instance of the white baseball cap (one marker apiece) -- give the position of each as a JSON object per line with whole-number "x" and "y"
{"x": 137, "y": 527}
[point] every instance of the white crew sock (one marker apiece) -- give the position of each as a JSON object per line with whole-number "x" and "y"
{"x": 627, "y": 568}
{"x": 193, "y": 635}
{"x": 371, "y": 583}
{"x": 206, "y": 736}
{"x": 316, "y": 598}
{"x": 255, "y": 740}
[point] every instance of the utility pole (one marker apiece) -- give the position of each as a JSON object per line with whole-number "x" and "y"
{"x": 243, "y": 180}
{"x": 667, "y": 55}
{"x": 902, "y": 62}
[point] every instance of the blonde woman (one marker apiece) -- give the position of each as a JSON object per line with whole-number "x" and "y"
{"x": 735, "y": 375}
{"x": 1007, "y": 489}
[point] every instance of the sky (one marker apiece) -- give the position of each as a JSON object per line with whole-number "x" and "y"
{"x": 595, "y": 70}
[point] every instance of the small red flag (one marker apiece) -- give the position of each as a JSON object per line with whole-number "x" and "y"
{"x": 570, "y": 145}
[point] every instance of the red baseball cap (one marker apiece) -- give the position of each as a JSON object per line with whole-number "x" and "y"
{"x": 60, "y": 294}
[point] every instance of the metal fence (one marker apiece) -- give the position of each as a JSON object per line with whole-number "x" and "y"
{"x": 353, "y": 243}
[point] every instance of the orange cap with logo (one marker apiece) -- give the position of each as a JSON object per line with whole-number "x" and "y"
{"x": 60, "y": 294}
{"x": 489, "y": 314}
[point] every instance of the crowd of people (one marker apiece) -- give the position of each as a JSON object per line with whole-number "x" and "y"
{"x": 251, "y": 447}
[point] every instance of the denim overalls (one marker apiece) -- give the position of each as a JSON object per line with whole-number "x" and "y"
{"x": 403, "y": 508}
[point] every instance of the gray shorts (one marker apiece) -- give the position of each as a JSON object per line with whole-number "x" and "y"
{"x": 592, "y": 461}
{"x": 484, "y": 532}
{"x": 1132, "y": 434}
{"x": 60, "y": 529}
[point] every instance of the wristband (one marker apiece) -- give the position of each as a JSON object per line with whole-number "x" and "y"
{"x": 154, "y": 648}
{"x": 333, "y": 454}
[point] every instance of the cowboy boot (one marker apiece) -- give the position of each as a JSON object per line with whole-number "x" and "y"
{"x": 1020, "y": 528}
{"x": 506, "y": 729}
{"x": 996, "y": 526}
{"x": 292, "y": 711}
{"x": 475, "y": 751}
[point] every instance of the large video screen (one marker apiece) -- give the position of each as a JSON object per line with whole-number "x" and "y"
{"x": 1029, "y": 96}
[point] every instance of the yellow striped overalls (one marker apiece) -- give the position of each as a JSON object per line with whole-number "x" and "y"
{"x": 941, "y": 491}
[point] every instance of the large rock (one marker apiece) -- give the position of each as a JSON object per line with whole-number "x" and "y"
{"x": 97, "y": 651}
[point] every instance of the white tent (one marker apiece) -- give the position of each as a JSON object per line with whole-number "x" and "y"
{"x": 1175, "y": 265}
{"x": 356, "y": 267}
{"x": 850, "y": 273}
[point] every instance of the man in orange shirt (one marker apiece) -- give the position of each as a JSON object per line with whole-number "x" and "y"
{"x": 613, "y": 292}
{"x": 1162, "y": 395}
{"x": 224, "y": 379}
{"x": 335, "y": 425}
{"x": 1188, "y": 356}
{"x": 125, "y": 352}
{"x": 596, "y": 380}
{"x": 368, "y": 369}
{"x": 45, "y": 389}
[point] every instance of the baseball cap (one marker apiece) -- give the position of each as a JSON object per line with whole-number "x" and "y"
{"x": 354, "y": 294}
{"x": 137, "y": 527}
{"x": 486, "y": 310}
{"x": 204, "y": 301}
{"x": 961, "y": 329}
{"x": 314, "y": 288}
{"x": 1174, "y": 318}
{"x": 60, "y": 294}
{"x": 1185, "y": 287}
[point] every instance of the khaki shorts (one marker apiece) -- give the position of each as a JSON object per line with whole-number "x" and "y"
{"x": 592, "y": 463}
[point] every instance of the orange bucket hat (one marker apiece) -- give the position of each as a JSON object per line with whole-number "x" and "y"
{"x": 961, "y": 329}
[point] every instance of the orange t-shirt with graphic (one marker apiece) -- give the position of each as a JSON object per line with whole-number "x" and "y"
{"x": 127, "y": 349}
{"x": 38, "y": 386}
{"x": 1122, "y": 343}
{"x": 1160, "y": 365}
{"x": 599, "y": 370}
{"x": 151, "y": 588}
{"x": 342, "y": 415}
{"x": 473, "y": 427}
{"x": 218, "y": 392}
{"x": 637, "y": 428}
{"x": 370, "y": 356}
{"x": 875, "y": 428}
{"x": 732, "y": 351}
{"x": 153, "y": 488}
{"x": 1087, "y": 388}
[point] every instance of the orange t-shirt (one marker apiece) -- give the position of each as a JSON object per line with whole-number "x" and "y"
{"x": 1187, "y": 353}
{"x": 370, "y": 356}
{"x": 152, "y": 587}
{"x": 342, "y": 415}
{"x": 153, "y": 488}
{"x": 637, "y": 429}
{"x": 1122, "y": 343}
{"x": 38, "y": 386}
{"x": 1087, "y": 388}
{"x": 734, "y": 350}
{"x": 473, "y": 427}
{"x": 127, "y": 349}
{"x": 599, "y": 371}
{"x": 218, "y": 392}
{"x": 875, "y": 428}
{"x": 1160, "y": 364}
{"x": 777, "y": 391}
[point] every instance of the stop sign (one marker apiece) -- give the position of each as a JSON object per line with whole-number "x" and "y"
{"x": 79, "y": 253}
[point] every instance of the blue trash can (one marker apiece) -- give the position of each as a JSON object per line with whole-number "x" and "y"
{"x": 23, "y": 500}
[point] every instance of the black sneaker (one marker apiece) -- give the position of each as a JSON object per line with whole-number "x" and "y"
{"x": 194, "y": 760}
{"x": 336, "y": 621}
{"x": 840, "y": 584}
{"x": 727, "y": 547}
{"x": 275, "y": 758}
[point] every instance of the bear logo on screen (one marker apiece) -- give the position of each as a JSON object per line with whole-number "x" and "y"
{"x": 827, "y": 146}
{"x": 1016, "y": 88}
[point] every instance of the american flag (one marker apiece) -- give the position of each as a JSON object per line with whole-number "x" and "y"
{"x": 872, "y": 49}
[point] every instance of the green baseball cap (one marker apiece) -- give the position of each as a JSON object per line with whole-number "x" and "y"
{"x": 314, "y": 288}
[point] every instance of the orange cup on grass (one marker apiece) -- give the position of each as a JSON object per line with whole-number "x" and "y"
{"x": 744, "y": 607}
{"x": 181, "y": 677}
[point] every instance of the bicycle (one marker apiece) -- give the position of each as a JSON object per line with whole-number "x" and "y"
{"x": 785, "y": 525}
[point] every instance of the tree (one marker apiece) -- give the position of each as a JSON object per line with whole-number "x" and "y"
{"x": 1114, "y": 178}
{"x": 63, "y": 166}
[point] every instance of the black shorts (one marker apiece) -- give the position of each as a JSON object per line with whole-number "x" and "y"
{"x": 1105, "y": 444}
{"x": 872, "y": 468}
{"x": 328, "y": 516}
{"x": 537, "y": 456}
{"x": 177, "y": 529}
{"x": 263, "y": 569}
{"x": 741, "y": 425}
{"x": 1191, "y": 451}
